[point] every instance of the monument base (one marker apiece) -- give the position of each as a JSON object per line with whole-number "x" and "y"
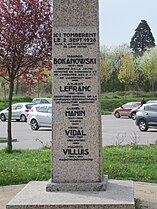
{"x": 119, "y": 195}
{"x": 94, "y": 186}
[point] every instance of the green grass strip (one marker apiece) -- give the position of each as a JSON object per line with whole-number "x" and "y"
{"x": 138, "y": 163}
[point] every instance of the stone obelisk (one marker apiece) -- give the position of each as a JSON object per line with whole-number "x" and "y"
{"x": 77, "y": 141}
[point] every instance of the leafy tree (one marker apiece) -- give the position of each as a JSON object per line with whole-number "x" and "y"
{"x": 148, "y": 64}
{"x": 109, "y": 68}
{"x": 25, "y": 39}
{"x": 33, "y": 78}
{"x": 3, "y": 86}
{"x": 105, "y": 70}
{"x": 105, "y": 66}
{"x": 127, "y": 74}
{"x": 141, "y": 76}
{"x": 142, "y": 39}
{"x": 115, "y": 56}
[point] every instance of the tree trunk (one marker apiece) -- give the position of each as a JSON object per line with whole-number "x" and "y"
{"x": 5, "y": 95}
{"x": 17, "y": 87}
{"x": 152, "y": 85}
{"x": 11, "y": 89}
{"x": 38, "y": 87}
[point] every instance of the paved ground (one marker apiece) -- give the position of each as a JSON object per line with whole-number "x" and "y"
{"x": 146, "y": 192}
{"x": 114, "y": 132}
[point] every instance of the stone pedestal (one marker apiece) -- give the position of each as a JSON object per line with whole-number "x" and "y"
{"x": 119, "y": 195}
{"x": 93, "y": 186}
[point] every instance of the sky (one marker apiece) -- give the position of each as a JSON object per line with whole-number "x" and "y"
{"x": 119, "y": 19}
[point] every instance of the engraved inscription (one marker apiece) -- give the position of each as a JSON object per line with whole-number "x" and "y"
{"x": 74, "y": 40}
{"x": 73, "y": 72}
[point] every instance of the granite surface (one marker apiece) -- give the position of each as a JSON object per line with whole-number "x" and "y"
{"x": 77, "y": 135}
{"x": 75, "y": 12}
{"x": 119, "y": 195}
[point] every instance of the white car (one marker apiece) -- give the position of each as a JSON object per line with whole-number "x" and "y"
{"x": 19, "y": 112}
{"x": 40, "y": 115}
{"x": 42, "y": 101}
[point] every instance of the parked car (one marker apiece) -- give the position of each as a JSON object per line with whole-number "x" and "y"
{"x": 132, "y": 113}
{"x": 146, "y": 116}
{"x": 125, "y": 109}
{"x": 152, "y": 101}
{"x": 19, "y": 112}
{"x": 40, "y": 116}
{"x": 42, "y": 101}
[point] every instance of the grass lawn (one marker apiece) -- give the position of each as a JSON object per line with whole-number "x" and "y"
{"x": 2, "y": 139}
{"x": 22, "y": 166}
{"x": 138, "y": 163}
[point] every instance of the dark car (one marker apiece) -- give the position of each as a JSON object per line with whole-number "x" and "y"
{"x": 125, "y": 109}
{"x": 146, "y": 116}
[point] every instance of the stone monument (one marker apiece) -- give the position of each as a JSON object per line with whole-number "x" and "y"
{"x": 77, "y": 142}
{"x": 77, "y": 179}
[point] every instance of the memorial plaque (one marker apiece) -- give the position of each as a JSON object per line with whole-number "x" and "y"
{"x": 77, "y": 141}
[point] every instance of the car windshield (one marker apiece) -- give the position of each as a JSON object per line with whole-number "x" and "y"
{"x": 49, "y": 110}
{"x": 13, "y": 107}
{"x": 41, "y": 109}
{"x": 134, "y": 105}
{"x": 128, "y": 105}
{"x": 29, "y": 106}
{"x": 36, "y": 101}
{"x": 152, "y": 101}
{"x": 42, "y": 100}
